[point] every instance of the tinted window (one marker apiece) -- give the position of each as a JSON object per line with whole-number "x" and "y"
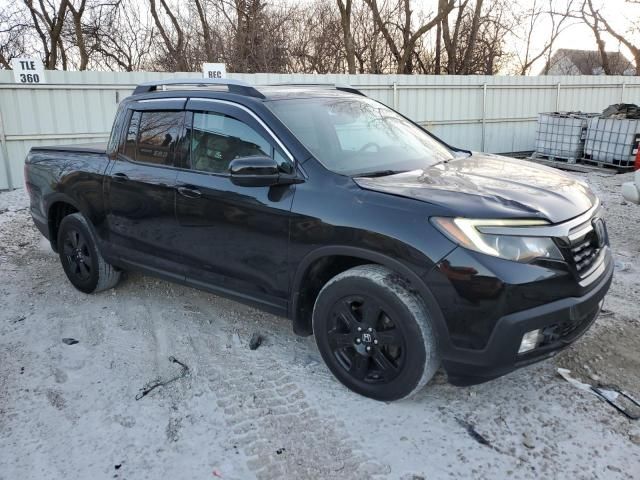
{"x": 152, "y": 136}
{"x": 116, "y": 129}
{"x": 217, "y": 139}
{"x": 157, "y": 137}
{"x": 357, "y": 135}
{"x": 132, "y": 136}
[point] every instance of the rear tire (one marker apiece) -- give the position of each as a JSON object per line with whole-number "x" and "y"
{"x": 81, "y": 260}
{"x": 374, "y": 334}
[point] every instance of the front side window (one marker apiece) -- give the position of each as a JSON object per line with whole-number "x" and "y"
{"x": 216, "y": 139}
{"x": 152, "y": 136}
{"x": 355, "y": 136}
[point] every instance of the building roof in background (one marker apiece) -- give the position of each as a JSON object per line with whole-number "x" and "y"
{"x": 567, "y": 61}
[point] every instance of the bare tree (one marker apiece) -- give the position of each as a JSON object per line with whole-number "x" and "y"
{"x": 451, "y": 40}
{"x": 531, "y": 19}
{"x": 471, "y": 41}
{"x": 76, "y": 14}
{"x": 172, "y": 35}
{"x": 48, "y": 21}
{"x": 321, "y": 36}
{"x": 14, "y": 25}
{"x": 474, "y": 37}
{"x": 371, "y": 50}
{"x": 345, "y": 21}
{"x": 591, "y": 18}
{"x": 125, "y": 41}
{"x": 403, "y": 48}
{"x": 316, "y": 46}
{"x": 207, "y": 33}
{"x": 595, "y": 18}
{"x": 491, "y": 53}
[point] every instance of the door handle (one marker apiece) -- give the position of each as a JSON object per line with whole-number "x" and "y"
{"x": 120, "y": 177}
{"x": 189, "y": 192}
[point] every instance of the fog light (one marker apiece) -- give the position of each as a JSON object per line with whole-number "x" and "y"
{"x": 530, "y": 340}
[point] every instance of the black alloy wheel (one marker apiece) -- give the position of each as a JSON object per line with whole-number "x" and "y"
{"x": 81, "y": 260}
{"x": 374, "y": 334}
{"x": 77, "y": 254}
{"x": 364, "y": 339}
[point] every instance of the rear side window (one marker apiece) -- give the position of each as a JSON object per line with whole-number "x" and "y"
{"x": 152, "y": 136}
{"x": 217, "y": 139}
{"x": 132, "y": 136}
{"x": 116, "y": 129}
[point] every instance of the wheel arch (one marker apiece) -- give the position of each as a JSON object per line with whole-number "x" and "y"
{"x": 59, "y": 206}
{"x": 299, "y": 310}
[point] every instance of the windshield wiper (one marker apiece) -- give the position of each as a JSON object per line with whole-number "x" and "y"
{"x": 380, "y": 173}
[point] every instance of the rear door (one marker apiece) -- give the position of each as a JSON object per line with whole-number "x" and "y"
{"x": 234, "y": 239}
{"x": 140, "y": 187}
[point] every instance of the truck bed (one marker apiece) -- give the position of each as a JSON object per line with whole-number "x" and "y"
{"x": 75, "y": 148}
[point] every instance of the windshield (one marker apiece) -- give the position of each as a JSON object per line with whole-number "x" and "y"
{"x": 358, "y": 136}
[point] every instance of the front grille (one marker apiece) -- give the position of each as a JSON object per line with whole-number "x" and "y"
{"x": 570, "y": 328}
{"x": 584, "y": 251}
{"x": 567, "y": 328}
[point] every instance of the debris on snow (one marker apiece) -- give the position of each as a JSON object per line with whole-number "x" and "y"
{"x": 527, "y": 441}
{"x": 256, "y": 341}
{"x": 160, "y": 383}
{"x": 614, "y": 396}
{"x": 471, "y": 430}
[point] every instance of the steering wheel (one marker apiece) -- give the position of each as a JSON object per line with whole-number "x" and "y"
{"x": 366, "y": 146}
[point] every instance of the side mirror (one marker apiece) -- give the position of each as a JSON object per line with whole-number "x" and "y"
{"x": 255, "y": 171}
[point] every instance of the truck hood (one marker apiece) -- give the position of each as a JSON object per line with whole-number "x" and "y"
{"x": 490, "y": 186}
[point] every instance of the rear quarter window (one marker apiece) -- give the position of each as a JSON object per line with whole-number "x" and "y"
{"x": 151, "y": 136}
{"x": 116, "y": 130}
{"x": 157, "y": 137}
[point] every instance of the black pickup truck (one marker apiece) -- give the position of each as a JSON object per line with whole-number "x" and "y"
{"x": 399, "y": 252}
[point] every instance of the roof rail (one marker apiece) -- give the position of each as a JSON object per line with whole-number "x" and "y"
{"x": 344, "y": 87}
{"x": 234, "y": 86}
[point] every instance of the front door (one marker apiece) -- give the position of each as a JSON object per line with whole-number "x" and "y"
{"x": 234, "y": 239}
{"x": 140, "y": 190}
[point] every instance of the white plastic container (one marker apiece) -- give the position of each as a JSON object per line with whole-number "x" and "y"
{"x": 612, "y": 141}
{"x": 561, "y": 135}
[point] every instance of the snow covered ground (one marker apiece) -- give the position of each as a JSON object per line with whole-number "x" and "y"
{"x": 70, "y": 411}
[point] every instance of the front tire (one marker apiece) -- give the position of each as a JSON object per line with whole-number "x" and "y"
{"x": 81, "y": 260}
{"x": 374, "y": 334}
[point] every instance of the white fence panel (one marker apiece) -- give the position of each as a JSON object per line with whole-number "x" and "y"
{"x": 490, "y": 113}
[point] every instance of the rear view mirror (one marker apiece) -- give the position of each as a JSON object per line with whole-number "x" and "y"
{"x": 258, "y": 171}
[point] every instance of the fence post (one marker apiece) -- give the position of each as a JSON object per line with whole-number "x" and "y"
{"x": 484, "y": 116}
{"x": 395, "y": 95}
{"x": 5, "y": 153}
{"x": 623, "y": 85}
{"x": 558, "y": 97}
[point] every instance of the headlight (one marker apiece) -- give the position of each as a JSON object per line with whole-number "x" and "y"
{"x": 520, "y": 248}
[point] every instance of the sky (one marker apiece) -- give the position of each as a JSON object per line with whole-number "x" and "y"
{"x": 617, "y": 12}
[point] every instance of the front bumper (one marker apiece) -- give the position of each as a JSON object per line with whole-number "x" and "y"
{"x": 568, "y": 318}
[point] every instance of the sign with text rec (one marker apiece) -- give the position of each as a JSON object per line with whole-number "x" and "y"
{"x": 214, "y": 70}
{"x": 28, "y": 70}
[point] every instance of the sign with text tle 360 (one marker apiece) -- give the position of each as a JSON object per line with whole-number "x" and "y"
{"x": 214, "y": 70}
{"x": 28, "y": 70}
